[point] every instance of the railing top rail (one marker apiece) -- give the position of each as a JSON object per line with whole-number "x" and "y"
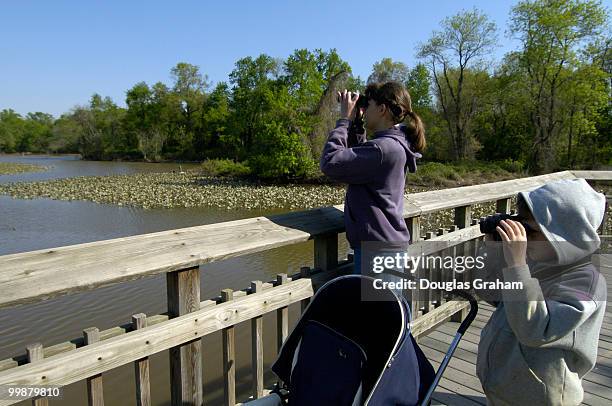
{"x": 37, "y": 275}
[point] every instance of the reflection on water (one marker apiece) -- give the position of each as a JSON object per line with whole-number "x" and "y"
{"x": 27, "y": 225}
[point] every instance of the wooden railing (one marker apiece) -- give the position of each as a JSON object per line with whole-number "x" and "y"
{"x": 39, "y": 275}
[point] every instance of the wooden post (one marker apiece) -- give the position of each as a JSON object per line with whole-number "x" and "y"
{"x": 439, "y": 274}
{"x": 463, "y": 218}
{"x": 326, "y": 251}
{"x": 257, "y": 348}
{"x": 95, "y": 392}
{"x": 141, "y": 367}
{"x": 183, "y": 290}
{"x": 304, "y": 273}
{"x": 414, "y": 228}
{"x": 282, "y": 317}
{"x": 503, "y": 205}
{"x": 459, "y": 250}
{"x": 34, "y": 353}
{"x": 229, "y": 357}
{"x": 425, "y": 296}
{"x": 473, "y": 247}
{"x": 604, "y": 221}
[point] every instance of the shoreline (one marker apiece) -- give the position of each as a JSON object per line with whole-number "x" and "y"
{"x": 51, "y": 154}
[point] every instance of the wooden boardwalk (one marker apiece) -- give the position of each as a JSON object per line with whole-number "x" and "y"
{"x": 460, "y": 385}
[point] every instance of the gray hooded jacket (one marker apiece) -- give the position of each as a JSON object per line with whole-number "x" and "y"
{"x": 542, "y": 339}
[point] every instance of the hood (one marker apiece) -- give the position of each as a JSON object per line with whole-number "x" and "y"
{"x": 569, "y": 212}
{"x": 397, "y": 133}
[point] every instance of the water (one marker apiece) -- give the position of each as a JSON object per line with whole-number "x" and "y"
{"x": 27, "y": 225}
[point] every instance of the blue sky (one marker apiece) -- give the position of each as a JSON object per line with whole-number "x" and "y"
{"x": 56, "y": 54}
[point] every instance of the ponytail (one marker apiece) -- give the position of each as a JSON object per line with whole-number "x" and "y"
{"x": 397, "y": 98}
{"x": 415, "y": 132}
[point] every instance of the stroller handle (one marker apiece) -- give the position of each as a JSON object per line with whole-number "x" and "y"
{"x": 451, "y": 350}
{"x": 473, "y": 310}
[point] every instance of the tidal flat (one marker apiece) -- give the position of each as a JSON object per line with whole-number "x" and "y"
{"x": 183, "y": 189}
{"x": 10, "y": 168}
{"x": 193, "y": 189}
{"x": 178, "y": 189}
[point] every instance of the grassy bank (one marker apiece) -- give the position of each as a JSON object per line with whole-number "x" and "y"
{"x": 464, "y": 173}
{"x": 428, "y": 174}
{"x": 9, "y": 168}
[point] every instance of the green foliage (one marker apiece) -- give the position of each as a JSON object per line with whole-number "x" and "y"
{"x": 416, "y": 80}
{"x": 65, "y": 135}
{"x": 101, "y": 133}
{"x": 215, "y": 123}
{"x": 462, "y": 173}
{"x": 387, "y": 70}
{"x": 279, "y": 154}
{"x": 419, "y": 85}
{"x": 511, "y": 165}
{"x": 22, "y": 134}
{"x": 553, "y": 35}
{"x": 11, "y": 130}
{"x": 252, "y": 89}
{"x": 225, "y": 167}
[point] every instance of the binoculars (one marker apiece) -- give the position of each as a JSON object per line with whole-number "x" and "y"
{"x": 489, "y": 224}
{"x": 357, "y": 126}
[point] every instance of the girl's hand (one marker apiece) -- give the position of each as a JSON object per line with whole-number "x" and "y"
{"x": 347, "y": 104}
{"x": 514, "y": 240}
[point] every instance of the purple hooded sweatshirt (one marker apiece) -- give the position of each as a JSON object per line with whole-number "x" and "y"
{"x": 376, "y": 173}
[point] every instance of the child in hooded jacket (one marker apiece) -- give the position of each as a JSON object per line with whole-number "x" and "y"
{"x": 542, "y": 339}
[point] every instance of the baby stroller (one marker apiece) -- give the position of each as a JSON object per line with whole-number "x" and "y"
{"x": 352, "y": 346}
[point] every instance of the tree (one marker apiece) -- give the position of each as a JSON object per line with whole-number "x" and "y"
{"x": 600, "y": 54}
{"x": 419, "y": 87}
{"x": 500, "y": 125}
{"x": 386, "y": 70}
{"x": 551, "y": 33}
{"x": 215, "y": 122}
{"x": 312, "y": 78}
{"x": 65, "y": 135}
{"x": 464, "y": 40}
{"x": 189, "y": 89}
{"x": 580, "y": 104}
{"x": 37, "y": 132}
{"x": 11, "y": 130}
{"x": 101, "y": 131}
{"x": 279, "y": 154}
{"x": 142, "y": 119}
{"x": 252, "y": 83}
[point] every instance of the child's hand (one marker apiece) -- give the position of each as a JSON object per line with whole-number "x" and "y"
{"x": 347, "y": 100}
{"x": 515, "y": 242}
